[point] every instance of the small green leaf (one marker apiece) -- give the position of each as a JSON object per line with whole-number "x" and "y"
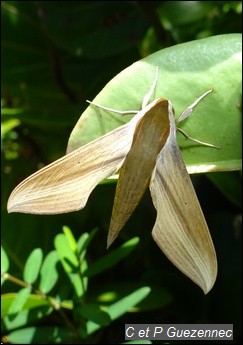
{"x": 33, "y": 301}
{"x": 112, "y": 258}
{"x": 19, "y": 301}
{"x": 82, "y": 244}
{"x": 119, "y": 308}
{"x": 70, "y": 263}
{"x": 106, "y": 294}
{"x": 32, "y": 266}
{"x": 4, "y": 261}
{"x": 25, "y": 317}
{"x": 84, "y": 240}
{"x": 68, "y": 257}
{"x": 49, "y": 273}
{"x": 72, "y": 242}
{"x": 40, "y": 335}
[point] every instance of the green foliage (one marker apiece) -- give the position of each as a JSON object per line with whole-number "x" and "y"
{"x": 49, "y": 272}
{"x": 54, "y": 57}
{"x": 4, "y": 261}
{"x": 32, "y": 266}
{"x": 195, "y": 74}
{"x": 79, "y": 314}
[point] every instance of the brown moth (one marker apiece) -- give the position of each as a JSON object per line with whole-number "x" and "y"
{"x": 147, "y": 152}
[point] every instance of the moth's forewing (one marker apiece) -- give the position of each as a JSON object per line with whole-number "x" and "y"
{"x": 150, "y": 135}
{"x": 65, "y": 185}
{"x": 180, "y": 230}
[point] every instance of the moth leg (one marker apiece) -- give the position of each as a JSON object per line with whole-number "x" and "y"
{"x": 145, "y": 102}
{"x": 149, "y": 94}
{"x": 186, "y": 113}
{"x": 125, "y": 112}
{"x": 197, "y": 141}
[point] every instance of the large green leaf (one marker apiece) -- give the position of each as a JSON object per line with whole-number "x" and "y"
{"x": 186, "y": 71}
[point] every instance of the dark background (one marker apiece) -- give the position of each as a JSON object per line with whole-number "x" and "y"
{"x": 55, "y": 55}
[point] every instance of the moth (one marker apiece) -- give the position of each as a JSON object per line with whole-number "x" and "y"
{"x": 147, "y": 154}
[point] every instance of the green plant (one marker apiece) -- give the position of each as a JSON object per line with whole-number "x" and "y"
{"x": 57, "y": 287}
{"x": 57, "y": 55}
